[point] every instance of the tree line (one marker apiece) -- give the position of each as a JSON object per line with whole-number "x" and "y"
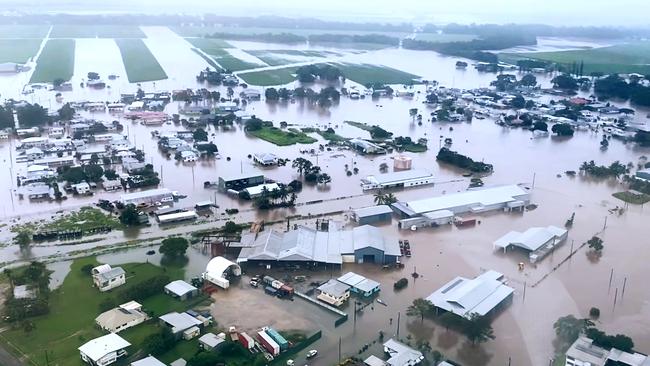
{"x": 452, "y": 157}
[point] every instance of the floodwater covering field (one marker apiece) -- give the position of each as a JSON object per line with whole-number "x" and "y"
{"x": 23, "y": 31}
{"x": 96, "y": 31}
{"x": 139, "y": 62}
{"x": 18, "y": 50}
{"x": 56, "y": 61}
{"x": 553, "y": 287}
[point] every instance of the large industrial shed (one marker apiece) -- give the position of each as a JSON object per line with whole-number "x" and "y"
{"x": 372, "y": 214}
{"x": 508, "y": 197}
{"x": 538, "y": 241}
{"x": 363, "y": 244}
{"x": 401, "y": 179}
{"x": 219, "y": 270}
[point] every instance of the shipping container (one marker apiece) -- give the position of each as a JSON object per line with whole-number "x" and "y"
{"x": 268, "y": 343}
{"x": 268, "y": 280}
{"x": 276, "y": 284}
{"x": 271, "y": 291}
{"x": 279, "y": 339}
{"x": 246, "y": 341}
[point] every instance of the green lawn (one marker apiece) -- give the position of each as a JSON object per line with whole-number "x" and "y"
{"x": 444, "y": 37}
{"x": 140, "y": 63}
{"x": 96, "y": 31}
{"x": 73, "y": 309}
{"x": 84, "y": 219}
{"x": 23, "y": 31}
{"x": 622, "y": 58}
{"x": 633, "y": 198}
{"x": 56, "y": 61}
{"x": 333, "y": 137}
{"x": 232, "y": 63}
{"x": 270, "y": 77}
{"x": 367, "y": 74}
{"x": 18, "y": 50}
{"x": 280, "y": 137}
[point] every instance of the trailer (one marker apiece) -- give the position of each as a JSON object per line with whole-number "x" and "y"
{"x": 247, "y": 341}
{"x": 277, "y": 284}
{"x": 270, "y": 291}
{"x": 268, "y": 343}
{"x": 268, "y": 280}
{"x": 176, "y": 217}
{"x": 279, "y": 339}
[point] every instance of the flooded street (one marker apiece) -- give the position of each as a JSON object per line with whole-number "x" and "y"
{"x": 523, "y": 330}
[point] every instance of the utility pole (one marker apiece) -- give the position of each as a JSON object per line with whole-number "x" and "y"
{"x": 605, "y": 225}
{"x": 611, "y": 275}
{"x": 398, "y": 320}
{"x": 624, "y": 283}
{"x": 339, "y": 349}
{"x": 524, "y": 297}
{"x": 534, "y": 176}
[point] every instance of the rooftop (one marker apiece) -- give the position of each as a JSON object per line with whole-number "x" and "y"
{"x": 334, "y": 288}
{"x": 179, "y": 287}
{"x": 110, "y": 274}
{"x": 359, "y": 282}
{"x": 372, "y": 210}
{"x": 401, "y": 354}
{"x": 531, "y": 239}
{"x": 463, "y": 296}
{"x": 180, "y": 321}
{"x": 99, "y": 347}
{"x": 211, "y": 340}
{"x": 475, "y": 198}
{"x": 397, "y": 177}
{"x": 149, "y": 361}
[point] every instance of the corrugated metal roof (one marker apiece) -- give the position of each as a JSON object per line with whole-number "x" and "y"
{"x": 399, "y": 176}
{"x": 372, "y": 210}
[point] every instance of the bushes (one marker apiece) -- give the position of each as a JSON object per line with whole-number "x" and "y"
{"x": 143, "y": 290}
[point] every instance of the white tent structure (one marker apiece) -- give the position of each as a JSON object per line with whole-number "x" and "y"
{"x": 219, "y": 269}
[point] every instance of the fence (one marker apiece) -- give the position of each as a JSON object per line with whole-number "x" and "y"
{"x": 281, "y": 360}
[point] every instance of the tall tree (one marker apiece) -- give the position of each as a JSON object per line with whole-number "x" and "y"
{"x": 174, "y": 247}
{"x": 6, "y": 118}
{"x": 32, "y": 115}
{"x": 420, "y": 307}
{"x": 477, "y": 328}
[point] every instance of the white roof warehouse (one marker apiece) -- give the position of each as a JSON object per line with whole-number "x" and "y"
{"x": 474, "y": 200}
{"x": 481, "y": 295}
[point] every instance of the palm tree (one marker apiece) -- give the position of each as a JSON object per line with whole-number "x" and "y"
{"x": 389, "y": 199}
{"x": 379, "y": 198}
{"x": 302, "y": 165}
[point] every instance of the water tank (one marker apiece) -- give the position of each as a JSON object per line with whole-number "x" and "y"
{"x": 402, "y": 162}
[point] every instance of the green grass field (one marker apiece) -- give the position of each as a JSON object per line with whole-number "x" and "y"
{"x": 366, "y": 74}
{"x": 279, "y": 137}
{"x": 270, "y": 77}
{"x": 96, "y": 31}
{"x": 139, "y": 62}
{"x": 444, "y": 37}
{"x": 18, "y": 50}
{"x": 56, "y": 61}
{"x": 622, "y": 58}
{"x": 633, "y": 198}
{"x": 73, "y": 309}
{"x": 207, "y": 59}
{"x": 216, "y": 49}
{"x": 23, "y": 31}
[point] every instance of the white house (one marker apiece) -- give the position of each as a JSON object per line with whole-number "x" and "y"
{"x": 104, "y": 350}
{"x": 148, "y": 361}
{"x": 188, "y": 156}
{"x": 265, "y": 159}
{"x": 334, "y": 292}
{"x": 122, "y": 317}
{"x": 106, "y": 278}
{"x": 81, "y": 188}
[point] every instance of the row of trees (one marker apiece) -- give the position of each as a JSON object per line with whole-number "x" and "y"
{"x": 507, "y": 82}
{"x": 615, "y": 169}
{"x": 569, "y": 328}
{"x": 614, "y": 86}
{"x": 326, "y": 72}
{"x": 311, "y": 172}
{"x": 452, "y": 157}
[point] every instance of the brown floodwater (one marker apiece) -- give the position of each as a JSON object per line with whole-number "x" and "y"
{"x": 524, "y": 330}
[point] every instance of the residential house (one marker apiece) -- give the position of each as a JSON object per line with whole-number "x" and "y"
{"x": 104, "y": 350}
{"x": 107, "y": 278}
{"x": 211, "y": 341}
{"x": 148, "y": 361}
{"x": 56, "y": 132}
{"x": 122, "y": 317}
{"x": 34, "y": 153}
{"x": 265, "y": 159}
{"x": 81, "y": 188}
{"x": 583, "y": 352}
{"x": 251, "y": 94}
{"x": 360, "y": 285}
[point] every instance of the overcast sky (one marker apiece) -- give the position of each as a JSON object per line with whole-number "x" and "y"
{"x": 556, "y": 12}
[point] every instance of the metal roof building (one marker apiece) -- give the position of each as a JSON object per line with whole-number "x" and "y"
{"x": 181, "y": 289}
{"x": 179, "y": 322}
{"x": 359, "y": 284}
{"x": 372, "y": 214}
{"x": 539, "y": 241}
{"x": 401, "y": 354}
{"x": 148, "y": 361}
{"x": 361, "y": 244}
{"x": 480, "y": 295}
{"x": 474, "y": 200}
{"x": 148, "y": 196}
{"x": 404, "y": 178}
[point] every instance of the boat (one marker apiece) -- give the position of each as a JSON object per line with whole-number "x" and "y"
{"x": 382, "y": 302}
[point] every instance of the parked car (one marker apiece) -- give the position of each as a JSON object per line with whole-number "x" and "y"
{"x": 253, "y": 283}
{"x": 312, "y": 353}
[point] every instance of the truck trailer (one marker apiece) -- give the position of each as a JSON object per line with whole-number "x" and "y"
{"x": 247, "y": 341}
{"x": 279, "y": 339}
{"x": 268, "y": 343}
